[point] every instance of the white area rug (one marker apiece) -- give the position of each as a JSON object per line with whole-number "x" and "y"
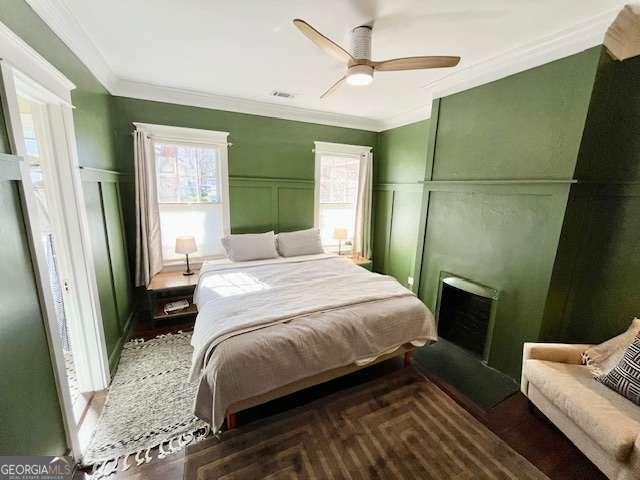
{"x": 149, "y": 404}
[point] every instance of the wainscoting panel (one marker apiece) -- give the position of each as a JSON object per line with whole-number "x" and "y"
{"x": 117, "y": 251}
{"x": 396, "y": 225}
{"x": 295, "y": 207}
{"x": 263, "y": 204}
{"x": 104, "y": 274}
{"x": 102, "y": 192}
{"x": 382, "y": 215}
{"x": 252, "y": 208}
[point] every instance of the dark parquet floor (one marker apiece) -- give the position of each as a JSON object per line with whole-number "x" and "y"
{"x": 527, "y": 432}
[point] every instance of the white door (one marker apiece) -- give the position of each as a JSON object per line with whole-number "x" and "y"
{"x": 41, "y": 131}
{"x": 45, "y": 186}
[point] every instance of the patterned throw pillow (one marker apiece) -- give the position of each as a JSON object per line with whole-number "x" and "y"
{"x": 625, "y": 378}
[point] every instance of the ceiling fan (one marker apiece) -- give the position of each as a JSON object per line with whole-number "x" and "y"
{"x": 360, "y": 67}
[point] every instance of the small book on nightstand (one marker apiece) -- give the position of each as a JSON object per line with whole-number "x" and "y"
{"x": 175, "y": 306}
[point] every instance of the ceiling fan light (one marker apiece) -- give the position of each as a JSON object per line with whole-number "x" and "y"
{"x": 359, "y": 79}
{"x": 360, "y": 75}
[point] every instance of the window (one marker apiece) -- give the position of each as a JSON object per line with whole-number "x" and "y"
{"x": 192, "y": 188}
{"x": 337, "y": 180}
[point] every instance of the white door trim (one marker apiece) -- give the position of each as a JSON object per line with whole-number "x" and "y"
{"x": 92, "y": 364}
{"x": 10, "y": 105}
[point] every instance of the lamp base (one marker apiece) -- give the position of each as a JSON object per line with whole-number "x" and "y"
{"x": 188, "y": 271}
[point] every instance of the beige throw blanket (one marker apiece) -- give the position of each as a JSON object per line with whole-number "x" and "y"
{"x": 603, "y": 358}
{"x": 282, "y": 322}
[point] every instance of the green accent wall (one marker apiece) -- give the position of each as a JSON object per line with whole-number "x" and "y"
{"x": 30, "y": 416}
{"x": 271, "y": 163}
{"x": 482, "y": 189}
{"x": 520, "y": 134}
{"x": 495, "y": 163}
{"x": 401, "y": 154}
{"x": 400, "y": 162}
{"x": 109, "y": 248}
{"x": 594, "y": 293}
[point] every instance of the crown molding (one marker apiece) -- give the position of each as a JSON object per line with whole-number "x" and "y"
{"x": 545, "y": 49}
{"x": 158, "y": 93}
{"x": 58, "y": 16}
{"x": 579, "y": 37}
{"x": 413, "y": 115}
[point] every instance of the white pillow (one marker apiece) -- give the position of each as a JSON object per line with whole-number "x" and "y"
{"x": 250, "y": 246}
{"x": 302, "y": 242}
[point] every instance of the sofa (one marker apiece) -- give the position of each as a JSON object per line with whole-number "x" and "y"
{"x": 604, "y": 425}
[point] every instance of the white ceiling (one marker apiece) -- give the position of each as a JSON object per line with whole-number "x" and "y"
{"x": 248, "y": 48}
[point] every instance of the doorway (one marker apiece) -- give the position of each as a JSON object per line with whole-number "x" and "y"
{"x": 41, "y": 132}
{"x": 40, "y": 163}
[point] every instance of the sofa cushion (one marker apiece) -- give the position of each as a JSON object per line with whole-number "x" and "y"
{"x": 612, "y": 421}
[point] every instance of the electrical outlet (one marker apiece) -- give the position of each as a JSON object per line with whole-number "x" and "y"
{"x": 410, "y": 281}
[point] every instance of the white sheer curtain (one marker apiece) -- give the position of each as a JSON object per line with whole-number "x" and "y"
{"x": 362, "y": 229}
{"x": 148, "y": 240}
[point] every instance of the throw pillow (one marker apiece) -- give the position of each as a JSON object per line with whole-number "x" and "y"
{"x": 625, "y": 377}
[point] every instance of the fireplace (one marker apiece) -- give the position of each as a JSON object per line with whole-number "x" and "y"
{"x": 465, "y": 313}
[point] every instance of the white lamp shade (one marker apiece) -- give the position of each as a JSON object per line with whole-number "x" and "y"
{"x": 340, "y": 234}
{"x": 186, "y": 244}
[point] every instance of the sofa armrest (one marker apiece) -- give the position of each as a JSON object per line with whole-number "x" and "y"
{"x": 552, "y": 352}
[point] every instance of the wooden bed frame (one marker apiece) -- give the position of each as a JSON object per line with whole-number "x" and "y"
{"x": 232, "y": 420}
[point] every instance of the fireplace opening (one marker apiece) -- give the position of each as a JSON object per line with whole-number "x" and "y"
{"x": 465, "y": 312}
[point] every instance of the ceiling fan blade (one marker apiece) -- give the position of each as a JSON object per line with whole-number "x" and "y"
{"x": 415, "y": 63}
{"x": 333, "y": 87}
{"x": 326, "y": 44}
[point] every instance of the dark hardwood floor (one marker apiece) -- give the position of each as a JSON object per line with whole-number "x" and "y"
{"x": 528, "y": 433}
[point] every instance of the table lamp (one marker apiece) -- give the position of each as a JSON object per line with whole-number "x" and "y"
{"x": 340, "y": 234}
{"x": 186, "y": 245}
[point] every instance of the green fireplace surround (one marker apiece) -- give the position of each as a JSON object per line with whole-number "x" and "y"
{"x": 528, "y": 185}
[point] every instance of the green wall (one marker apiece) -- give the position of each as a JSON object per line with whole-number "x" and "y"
{"x": 594, "y": 292}
{"x": 400, "y": 162}
{"x": 496, "y": 163}
{"x": 30, "y": 417}
{"x": 478, "y": 190}
{"x": 271, "y": 163}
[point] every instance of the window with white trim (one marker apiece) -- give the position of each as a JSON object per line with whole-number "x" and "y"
{"x": 192, "y": 188}
{"x": 337, "y": 173}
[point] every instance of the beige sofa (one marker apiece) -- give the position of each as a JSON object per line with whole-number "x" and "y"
{"x": 604, "y": 425}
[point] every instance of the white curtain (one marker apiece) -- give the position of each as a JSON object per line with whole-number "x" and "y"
{"x": 362, "y": 230}
{"x": 148, "y": 241}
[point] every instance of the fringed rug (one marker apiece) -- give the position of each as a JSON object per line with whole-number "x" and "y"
{"x": 399, "y": 426}
{"x": 149, "y": 404}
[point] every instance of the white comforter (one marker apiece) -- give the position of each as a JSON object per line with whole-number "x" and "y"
{"x": 262, "y": 325}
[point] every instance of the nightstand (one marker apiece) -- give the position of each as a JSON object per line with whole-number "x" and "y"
{"x": 362, "y": 262}
{"x": 168, "y": 287}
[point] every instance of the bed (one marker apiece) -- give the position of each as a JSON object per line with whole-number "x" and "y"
{"x": 271, "y": 327}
